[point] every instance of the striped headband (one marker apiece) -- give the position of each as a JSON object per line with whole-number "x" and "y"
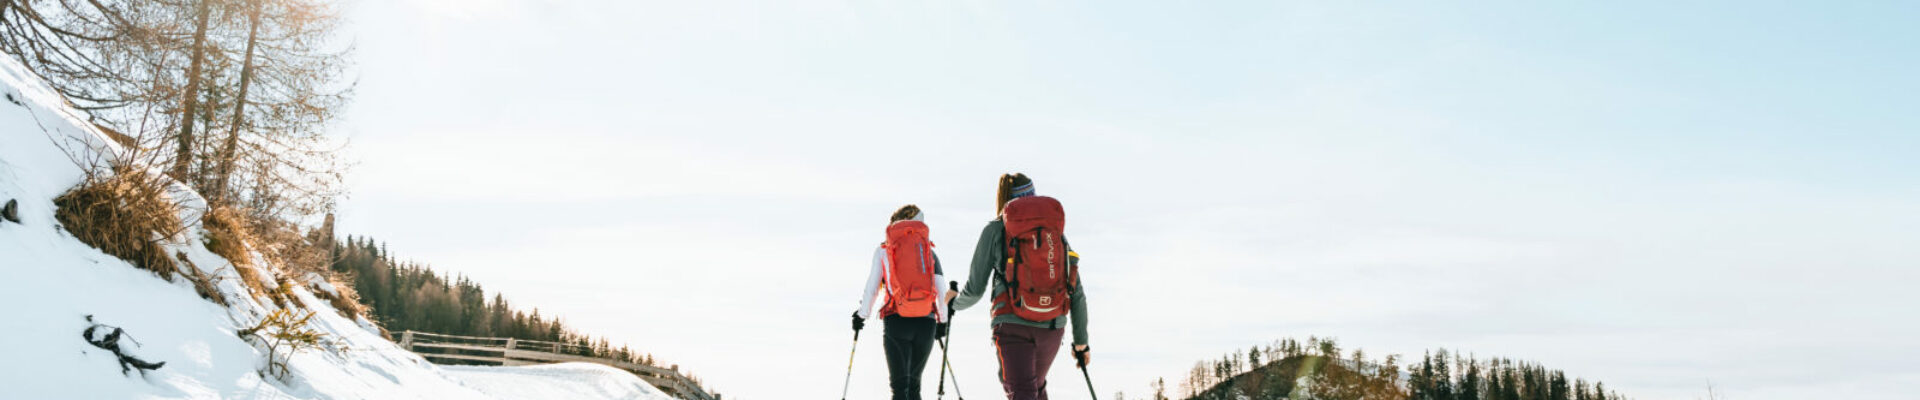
{"x": 1021, "y": 191}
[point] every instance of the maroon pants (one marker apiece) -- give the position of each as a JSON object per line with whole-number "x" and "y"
{"x": 1025, "y": 355}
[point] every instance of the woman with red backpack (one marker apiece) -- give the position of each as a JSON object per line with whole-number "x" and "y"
{"x": 1036, "y": 287}
{"x": 914, "y": 307}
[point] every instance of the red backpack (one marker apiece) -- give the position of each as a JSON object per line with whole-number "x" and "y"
{"x": 910, "y": 285}
{"x": 1037, "y": 269}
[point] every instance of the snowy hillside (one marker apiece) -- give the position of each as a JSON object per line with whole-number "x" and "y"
{"x": 50, "y": 282}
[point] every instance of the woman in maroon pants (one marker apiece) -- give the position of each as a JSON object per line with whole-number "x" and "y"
{"x": 1023, "y": 248}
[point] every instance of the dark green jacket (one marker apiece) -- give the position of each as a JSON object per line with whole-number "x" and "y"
{"x": 988, "y": 256}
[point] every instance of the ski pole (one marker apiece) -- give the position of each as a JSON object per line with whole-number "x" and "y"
{"x": 856, "y": 347}
{"x": 943, "y": 374}
{"x": 948, "y": 367}
{"x": 1083, "y": 374}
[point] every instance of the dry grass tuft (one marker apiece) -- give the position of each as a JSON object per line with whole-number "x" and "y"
{"x": 126, "y": 214}
{"x": 347, "y": 303}
{"x": 283, "y": 293}
{"x": 227, "y": 233}
{"x": 235, "y": 235}
{"x": 256, "y": 283}
{"x": 283, "y": 244}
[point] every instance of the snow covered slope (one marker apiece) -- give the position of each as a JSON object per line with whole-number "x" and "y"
{"x": 49, "y": 283}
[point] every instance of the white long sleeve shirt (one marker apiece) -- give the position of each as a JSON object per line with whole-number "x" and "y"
{"x": 876, "y": 288}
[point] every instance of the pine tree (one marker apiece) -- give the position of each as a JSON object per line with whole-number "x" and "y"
{"x": 1441, "y": 378}
{"x": 1470, "y": 383}
{"x": 1530, "y": 383}
{"x": 1557, "y": 389}
{"x": 1511, "y": 375}
{"x": 1420, "y": 381}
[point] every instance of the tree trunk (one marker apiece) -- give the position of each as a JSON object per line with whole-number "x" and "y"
{"x": 229, "y": 149}
{"x": 190, "y": 101}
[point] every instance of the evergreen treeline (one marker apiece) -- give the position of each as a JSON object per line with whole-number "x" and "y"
{"x": 1318, "y": 369}
{"x": 404, "y": 296}
{"x": 1445, "y": 376}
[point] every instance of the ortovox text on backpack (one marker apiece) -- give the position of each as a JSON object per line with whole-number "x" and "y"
{"x": 1038, "y": 272}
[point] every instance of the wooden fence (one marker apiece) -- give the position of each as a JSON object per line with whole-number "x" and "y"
{"x": 511, "y": 352}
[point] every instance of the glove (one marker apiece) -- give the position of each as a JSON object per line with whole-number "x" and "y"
{"x": 1080, "y": 356}
{"x": 953, "y": 291}
{"x": 940, "y": 330}
{"x": 858, "y": 322}
{"x": 952, "y": 287}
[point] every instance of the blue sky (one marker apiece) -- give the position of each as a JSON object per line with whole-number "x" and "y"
{"x": 1657, "y": 195}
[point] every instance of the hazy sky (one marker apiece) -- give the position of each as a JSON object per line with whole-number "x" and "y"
{"x": 1654, "y": 194}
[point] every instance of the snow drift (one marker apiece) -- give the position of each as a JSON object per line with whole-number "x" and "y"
{"x": 50, "y": 282}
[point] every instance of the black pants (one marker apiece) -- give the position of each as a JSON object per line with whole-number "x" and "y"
{"x": 909, "y": 343}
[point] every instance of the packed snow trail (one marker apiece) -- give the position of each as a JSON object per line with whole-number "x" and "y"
{"x": 50, "y": 282}
{"x": 557, "y": 381}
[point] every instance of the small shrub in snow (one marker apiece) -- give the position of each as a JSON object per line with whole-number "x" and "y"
{"x": 284, "y": 332}
{"x": 125, "y": 214}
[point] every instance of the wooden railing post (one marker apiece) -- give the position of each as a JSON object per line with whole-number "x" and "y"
{"x": 406, "y": 340}
{"x": 510, "y": 343}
